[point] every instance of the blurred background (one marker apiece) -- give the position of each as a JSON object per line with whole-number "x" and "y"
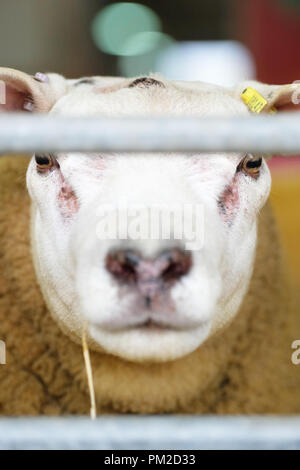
{"x": 219, "y": 41}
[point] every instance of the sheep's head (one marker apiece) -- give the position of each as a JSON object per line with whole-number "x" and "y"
{"x": 141, "y": 293}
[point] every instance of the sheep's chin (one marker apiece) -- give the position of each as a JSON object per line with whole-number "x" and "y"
{"x": 154, "y": 344}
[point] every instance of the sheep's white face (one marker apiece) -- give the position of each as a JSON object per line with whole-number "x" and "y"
{"x": 145, "y": 299}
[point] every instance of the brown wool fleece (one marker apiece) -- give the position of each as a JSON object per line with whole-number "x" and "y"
{"x": 246, "y": 368}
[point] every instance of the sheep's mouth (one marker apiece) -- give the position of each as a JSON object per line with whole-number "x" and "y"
{"x": 150, "y": 325}
{"x": 149, "y": 341}
{"x": 154, "y": 326}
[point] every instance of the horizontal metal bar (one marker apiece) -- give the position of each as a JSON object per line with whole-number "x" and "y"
{"x": 47, "y": 133}
{"x": 138, "y": 432}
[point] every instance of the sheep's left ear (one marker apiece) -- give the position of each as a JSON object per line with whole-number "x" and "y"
{"x": 22, "y": 92}
{"x": 282, "y": 97}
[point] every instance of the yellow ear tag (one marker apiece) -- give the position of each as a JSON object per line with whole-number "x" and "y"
{"x": 255, "y": 101}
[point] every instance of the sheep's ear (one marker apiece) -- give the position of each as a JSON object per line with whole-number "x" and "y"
{"x": 22, "y": 92}
{"x": 282, "y": 97}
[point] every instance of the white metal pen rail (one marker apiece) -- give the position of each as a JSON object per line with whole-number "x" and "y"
{"x": 151, "y": 432}
{"x": 42, "y": 133}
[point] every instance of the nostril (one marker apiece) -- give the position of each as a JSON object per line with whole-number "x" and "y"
{"x": 178, "y": 263}
{"x": 122, "y": 265}
{"x": 149, "y": 275}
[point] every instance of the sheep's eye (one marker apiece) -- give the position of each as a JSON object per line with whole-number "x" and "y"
{"x": 44, "y": 162}
{"x": 250, "y": 165}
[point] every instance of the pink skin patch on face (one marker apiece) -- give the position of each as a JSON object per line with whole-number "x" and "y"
{"x": 67, "y": 200}
{"x": 229, "y": 200}
{"x": 68, "y": 203}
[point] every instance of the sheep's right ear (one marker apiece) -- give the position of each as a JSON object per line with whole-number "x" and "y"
{"x": 22, "y": 92}
{"x": 281, "y": 97}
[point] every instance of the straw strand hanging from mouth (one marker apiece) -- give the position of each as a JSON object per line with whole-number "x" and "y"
{"x": 89, "y": 373}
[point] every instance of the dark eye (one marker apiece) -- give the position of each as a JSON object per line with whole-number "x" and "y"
{"x": 250, "y": 165}
{"x": 44, "y": 162}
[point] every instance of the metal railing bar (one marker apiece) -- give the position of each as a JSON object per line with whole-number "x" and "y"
{"x": 46, "y": 133}
{"x": 156, "y": 432}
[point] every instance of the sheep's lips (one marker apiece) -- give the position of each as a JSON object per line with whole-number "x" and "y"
{"x": 149, "y": 342}
{"x": 149, "y": 320}
{"x": 147, "y": 325}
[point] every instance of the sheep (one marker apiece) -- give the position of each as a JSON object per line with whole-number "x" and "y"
{"x": 169, "y": 330}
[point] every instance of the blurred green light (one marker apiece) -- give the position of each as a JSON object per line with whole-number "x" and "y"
{"x": 143, "y": 64}
{"x": 141, "y": 43}
{"x": 114, "y": 26}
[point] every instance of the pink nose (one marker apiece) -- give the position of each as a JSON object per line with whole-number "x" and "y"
{"x": 150, "y": 276}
